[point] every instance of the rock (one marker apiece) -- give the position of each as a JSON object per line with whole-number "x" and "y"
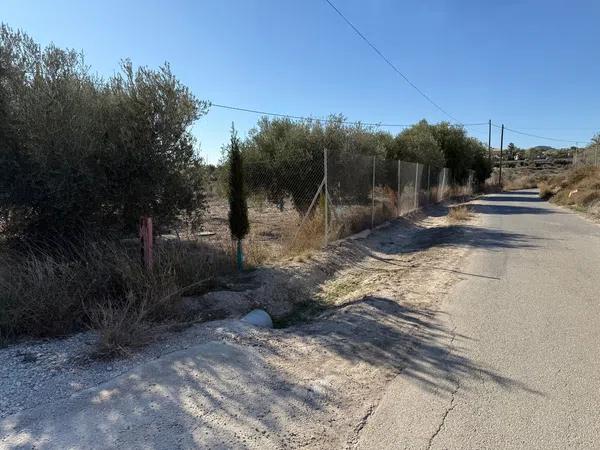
{"x": 259, "y": 318}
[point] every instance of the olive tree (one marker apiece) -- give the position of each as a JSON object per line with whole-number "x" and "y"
{"x": 82, "y": 154}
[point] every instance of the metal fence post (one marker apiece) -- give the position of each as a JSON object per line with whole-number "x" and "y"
{"x": 428, "y": 183}
{"x": 326, "y": 195}
{"x": 373, "y": 196}
{"x": 399, "y": 185}
{"x": 416, "y": 186}
{"x": 441, "y": 193}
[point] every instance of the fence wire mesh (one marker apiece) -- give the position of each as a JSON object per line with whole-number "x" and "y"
{"x": 408, "y": 175}
{"x": 589, "y": 156}
{"x": 306, "y": 201}
{"x": 349, "y": 189}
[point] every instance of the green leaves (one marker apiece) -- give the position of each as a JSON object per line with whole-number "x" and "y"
{"x": 82, "y": 154}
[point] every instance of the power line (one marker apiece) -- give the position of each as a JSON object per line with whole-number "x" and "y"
{"x": 559, "y": 128}
{"x": 540, "y": 137}
{"x": 295, "y": 117}
{"x": 473, "y": 124}
{"x": 378, "y": 124}
{"x": 389, "y": 63}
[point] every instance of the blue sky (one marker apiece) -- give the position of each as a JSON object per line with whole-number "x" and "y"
{"x": 533, "y": 65}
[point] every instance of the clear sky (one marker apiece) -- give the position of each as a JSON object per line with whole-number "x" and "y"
{"x": 533, "y": 65}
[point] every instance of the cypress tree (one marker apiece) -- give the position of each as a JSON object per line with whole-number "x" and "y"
{"x": 238, "y": 208}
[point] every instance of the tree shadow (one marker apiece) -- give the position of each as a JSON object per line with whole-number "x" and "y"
{"x": 523, "y": 192}
{"x": 514, "y": 197}
{"x": 223, "y": 395}
{"x": 458, "y": 235}
{"x": 383, "y": 333}
{"x": 510, "y": 209}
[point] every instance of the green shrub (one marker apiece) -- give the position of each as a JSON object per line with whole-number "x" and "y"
{"x": 82, "y": 154}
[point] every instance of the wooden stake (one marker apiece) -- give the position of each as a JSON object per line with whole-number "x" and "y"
{"x": 146, "y": 242}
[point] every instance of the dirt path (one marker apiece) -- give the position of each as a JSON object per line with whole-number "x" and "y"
{"x": 311, "y": 385}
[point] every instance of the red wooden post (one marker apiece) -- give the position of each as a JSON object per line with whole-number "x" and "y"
{"x": 146, "y": 241}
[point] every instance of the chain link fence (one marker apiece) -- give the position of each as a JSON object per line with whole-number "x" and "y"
{"x": 589, "y": 156}
{"x": 300, "y": 203}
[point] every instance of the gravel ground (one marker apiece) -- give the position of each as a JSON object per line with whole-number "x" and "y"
{"x": 409, "y": 262}
{"x": 43, "y": 371}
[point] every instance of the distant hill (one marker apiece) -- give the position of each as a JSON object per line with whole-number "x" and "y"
{"x": 544, "y": 148}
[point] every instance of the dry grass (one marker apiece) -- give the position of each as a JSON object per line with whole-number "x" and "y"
{"x": 523, "y": 182}
{"x": 101, "y": 286}
{"x": 458, "y": 213}
{"x": 527, "y": 177}
{"x": 545, "y": 190}
{"x": 513, "y": 181}
{"x": 310, "y": 237}
{"x": 121, "y": 328}
{"x": 299, "y": 242}
{"x": 578, "y": 188}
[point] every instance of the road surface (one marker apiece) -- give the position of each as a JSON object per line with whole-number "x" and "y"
{"x": 523, "y": 370}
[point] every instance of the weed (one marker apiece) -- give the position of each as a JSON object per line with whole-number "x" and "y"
{"x": 458, "y": 213}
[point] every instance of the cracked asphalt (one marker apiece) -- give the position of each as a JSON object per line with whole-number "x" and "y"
{"x": 526, "y": 321}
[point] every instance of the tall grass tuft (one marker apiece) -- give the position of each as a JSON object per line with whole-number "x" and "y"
{"x": 545, "y": 190}
{"x": 102, "y": 286}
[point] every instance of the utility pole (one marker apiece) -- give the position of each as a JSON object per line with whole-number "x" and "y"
{"x": 501, "y": 145}
{"x": 490, "y": 139}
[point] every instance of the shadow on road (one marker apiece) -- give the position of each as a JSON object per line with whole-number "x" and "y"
{"x": 462, "y": 235}
{"x": 383, "y": 333}
{"x": 511, "y": 209}
{"x": 526, "y": 192}
{"x": 514, "y": 197}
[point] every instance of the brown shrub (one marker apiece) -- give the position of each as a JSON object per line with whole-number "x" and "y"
{"x": 522, "y": 182}
{"x": 589, "y": 197}
{"x": 545, "y": 190}
{"x": 579, "y": 186}
{"x": 583, "y": 173}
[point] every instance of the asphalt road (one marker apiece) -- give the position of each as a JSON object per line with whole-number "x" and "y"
{"x": 523, "y": 333}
